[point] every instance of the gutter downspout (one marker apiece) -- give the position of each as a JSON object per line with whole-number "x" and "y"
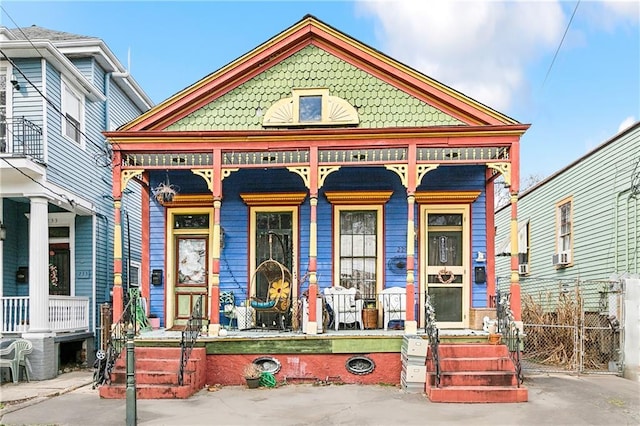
{"x": 94, "y": 265}
{"x": 615, "y": 230}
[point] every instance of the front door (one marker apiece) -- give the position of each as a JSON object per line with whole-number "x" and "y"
{"x": 444, "y": 263}
{"x": 188, "y": 263}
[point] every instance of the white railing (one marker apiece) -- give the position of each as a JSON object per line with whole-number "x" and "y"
{"x": 66, "y": 313}
{"x": 15, "y": 314}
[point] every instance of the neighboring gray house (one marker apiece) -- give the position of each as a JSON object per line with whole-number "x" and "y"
{"x": 58, "y": 93}
{"x": 583, "y": 223}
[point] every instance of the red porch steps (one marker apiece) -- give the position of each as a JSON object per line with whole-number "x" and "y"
{"x": 474, "y": 373}
{"x": 157, "y": 374}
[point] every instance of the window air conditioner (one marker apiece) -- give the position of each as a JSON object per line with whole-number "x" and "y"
{"x": 523, "y": 269}
{"x": 562, "y": 258}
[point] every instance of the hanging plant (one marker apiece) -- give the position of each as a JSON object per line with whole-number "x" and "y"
{"x": 165, "y": 192}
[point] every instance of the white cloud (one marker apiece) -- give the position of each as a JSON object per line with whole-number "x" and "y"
{"x": 626, "y": 123}
{"x": 480, "y": 48}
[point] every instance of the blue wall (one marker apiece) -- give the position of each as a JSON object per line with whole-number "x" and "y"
{"x": 235, "y": 221}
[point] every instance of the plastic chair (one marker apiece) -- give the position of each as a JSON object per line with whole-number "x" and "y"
{"x": 14, "y": 357}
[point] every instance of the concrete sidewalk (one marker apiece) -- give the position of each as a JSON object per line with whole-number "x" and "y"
{"x": 14, "y": 396}
{"x": 553, "y": 400}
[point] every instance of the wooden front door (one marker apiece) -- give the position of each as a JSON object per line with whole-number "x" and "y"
{"x": 191, "y": 274}
{"x": 444, "y": 263}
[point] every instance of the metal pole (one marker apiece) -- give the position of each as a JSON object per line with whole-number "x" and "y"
{"x": 131, "y": 379}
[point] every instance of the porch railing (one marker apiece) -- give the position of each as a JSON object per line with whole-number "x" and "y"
{"x": 432, "y": 332}
{"x": 66, "y": 313}
{"x": 509, "y": 330}
{"x": 26, "y": 137}
{"x": 189, "y": 336}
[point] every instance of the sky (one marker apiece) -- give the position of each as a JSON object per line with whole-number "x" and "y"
{"x": 570, "y": 69}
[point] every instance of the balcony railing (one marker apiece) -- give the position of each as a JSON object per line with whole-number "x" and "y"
{"x": 66, "y": 313}
{"x": 24, "y": 135}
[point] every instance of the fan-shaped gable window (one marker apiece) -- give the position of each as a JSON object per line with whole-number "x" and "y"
{"x": 310, "y": 107}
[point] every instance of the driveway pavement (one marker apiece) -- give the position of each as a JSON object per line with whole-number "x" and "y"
{"x": 553, "y": 400}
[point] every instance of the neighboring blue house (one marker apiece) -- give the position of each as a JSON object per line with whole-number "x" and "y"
{"x": 58, "y": 92}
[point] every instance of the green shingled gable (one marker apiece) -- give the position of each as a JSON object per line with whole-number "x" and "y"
{"x": 379, "y": 104}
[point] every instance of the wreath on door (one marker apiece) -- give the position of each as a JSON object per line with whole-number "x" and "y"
{"x": 445, "y": 276}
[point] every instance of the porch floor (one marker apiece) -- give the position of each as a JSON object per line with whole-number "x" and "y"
{"x": 168, "y": 334}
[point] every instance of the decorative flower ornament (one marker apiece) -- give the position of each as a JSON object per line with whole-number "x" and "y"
{"x": 279, "y": 290}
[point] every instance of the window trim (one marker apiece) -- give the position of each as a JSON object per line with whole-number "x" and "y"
{"x": 66, "y": 86}
{"x": 295, "y": 238}
{"x": 379, "y": 209}
{"x": 558, "y": 228}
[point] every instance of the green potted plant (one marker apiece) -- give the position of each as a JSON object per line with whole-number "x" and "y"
{"x": 252, "y": 373}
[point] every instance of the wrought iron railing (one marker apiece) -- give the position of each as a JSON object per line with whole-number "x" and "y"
{"x": 110, "y": 351}
{"x": 189, "y": 337}
{"x": 25, "y": 137}
{"x": 432, "y": 332}
{"x": 510, "y": 332}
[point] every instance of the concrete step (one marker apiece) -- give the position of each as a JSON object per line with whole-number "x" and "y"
{"x": 478, "y": 378}
{"x": 119, "y": 391}
{"x": 477, "y": 364}
{"x": 477, "y": 394}
{"x": 476, "y": 350}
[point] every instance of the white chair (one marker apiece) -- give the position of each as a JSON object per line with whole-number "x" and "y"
{"x": 394, "y": 304}
{"x": 14, "y": 356}
{"x": 346, "y": 308}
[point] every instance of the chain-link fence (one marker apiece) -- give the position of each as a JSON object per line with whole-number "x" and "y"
{"x": 571, "y": 325}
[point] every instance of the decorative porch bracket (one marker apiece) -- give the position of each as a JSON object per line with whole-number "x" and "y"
{"x": 127, "y": 175}
{"x": 303, "y": 172}
{"x": 207, "y": 175}
{"x": 227, "y": 172}
{"x": 504, "y": 169}
{"x": 323, "y": 172}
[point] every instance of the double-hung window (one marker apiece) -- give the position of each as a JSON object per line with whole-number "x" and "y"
{"x": 72, "y": 109}
{"x": 564, "y": 231}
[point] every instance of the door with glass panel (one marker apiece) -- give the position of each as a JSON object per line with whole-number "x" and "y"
{"x": 444, "y": 263}
{"x": 189, "y": 264}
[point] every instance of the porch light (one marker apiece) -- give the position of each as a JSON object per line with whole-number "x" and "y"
{"x": 3, "y": 232}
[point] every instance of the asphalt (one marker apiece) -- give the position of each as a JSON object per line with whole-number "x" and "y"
{"x": 70, "y": 399}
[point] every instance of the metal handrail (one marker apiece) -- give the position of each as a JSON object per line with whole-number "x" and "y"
{"x": 433, "y": 333}
{"x": 117, "y": 340}
{"x": 189, "y": 337}
{"x": 511, "y": 333}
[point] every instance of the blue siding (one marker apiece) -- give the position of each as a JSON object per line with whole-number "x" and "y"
{"x": 27, "y": 102}
{"x": 156, "y": 255}
{"x": 235, "y": 221}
